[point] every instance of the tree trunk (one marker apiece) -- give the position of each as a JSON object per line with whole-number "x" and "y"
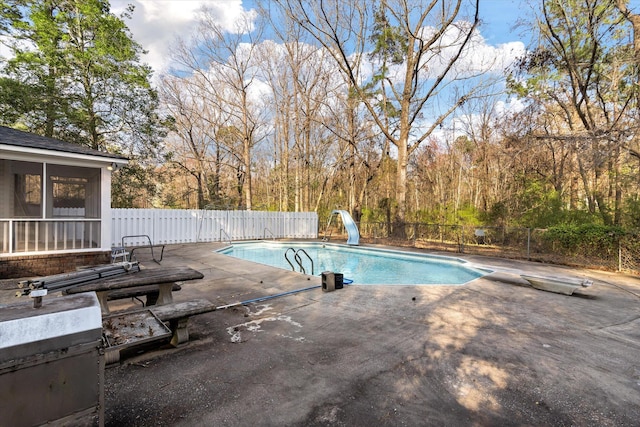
{"x": 200, "y": 191}
{"x": 401, "y": 188}
{"x": 246, "y": 185}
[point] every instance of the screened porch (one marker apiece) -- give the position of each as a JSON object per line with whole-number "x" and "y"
{"x": 48, "y": 207}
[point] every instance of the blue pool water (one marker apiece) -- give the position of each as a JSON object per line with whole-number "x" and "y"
{"x": 365, "y": 266}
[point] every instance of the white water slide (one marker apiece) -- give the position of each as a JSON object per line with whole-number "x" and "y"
{"x": 350, "y": 226}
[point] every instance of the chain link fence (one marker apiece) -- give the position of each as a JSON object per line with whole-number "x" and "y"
{"x": 619, "y": 254}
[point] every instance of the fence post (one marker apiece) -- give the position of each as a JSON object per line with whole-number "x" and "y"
{"x": 619, "y": 255}
{"x": 528, "y": 243}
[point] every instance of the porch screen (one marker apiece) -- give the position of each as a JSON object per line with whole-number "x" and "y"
{"x": 74, "y": 191}
{"x": 27, "y": 185}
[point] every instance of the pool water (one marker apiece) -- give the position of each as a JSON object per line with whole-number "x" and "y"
{"x": 365, "y": 266}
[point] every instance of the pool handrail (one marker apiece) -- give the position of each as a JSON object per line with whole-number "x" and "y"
{"x": 273, "y": 237}
{"x": 286, "y": 257}
{"x": 298, "y": 260}
{"x": 226, "y": 234}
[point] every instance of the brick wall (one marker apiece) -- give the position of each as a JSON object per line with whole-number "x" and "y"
{"x": 46, "y": 265}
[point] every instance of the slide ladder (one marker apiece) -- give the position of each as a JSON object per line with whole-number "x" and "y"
{"x": 349, "y": 225}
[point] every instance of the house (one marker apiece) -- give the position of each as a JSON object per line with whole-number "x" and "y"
{"x": 55, "y": 204}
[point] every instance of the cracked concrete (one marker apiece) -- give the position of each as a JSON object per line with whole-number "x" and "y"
{"x": 492, "y": 352}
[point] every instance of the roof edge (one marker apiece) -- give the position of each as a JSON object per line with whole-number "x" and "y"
{"x": 10, "y": 137}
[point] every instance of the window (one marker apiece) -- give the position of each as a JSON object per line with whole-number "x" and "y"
{"x": 74, "y": 191}
{"x": 65, "y": 191}
{"x": 27, "y": 180}
{"x": 69, "y": 192}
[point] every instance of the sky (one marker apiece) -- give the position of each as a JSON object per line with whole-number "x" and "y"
{"x": 156, "y": 23}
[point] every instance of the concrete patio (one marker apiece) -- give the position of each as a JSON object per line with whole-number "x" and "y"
{"x": 491, "y": 352}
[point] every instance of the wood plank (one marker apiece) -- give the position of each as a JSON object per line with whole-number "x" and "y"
{"x": 177, "y": 314}
{"x": 152, "y": 276}
{"x": 139, "y": 291}
{"x": 182, "y": 309}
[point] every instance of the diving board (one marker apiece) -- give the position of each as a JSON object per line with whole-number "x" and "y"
{"x": 350, "y": 225}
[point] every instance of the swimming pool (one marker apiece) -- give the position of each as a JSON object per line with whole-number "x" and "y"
{"x": 365, "y": 266}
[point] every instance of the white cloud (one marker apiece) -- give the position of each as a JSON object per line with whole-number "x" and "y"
{"x": 477, "y": 57}
{"x": 484, "y": 57}
{"x": 5, "y": 52}
{"x": 511, "y": 105}
{"x": 156, "y": 24}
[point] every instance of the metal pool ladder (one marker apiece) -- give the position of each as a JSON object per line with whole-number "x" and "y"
{"x": 298, "y": 259}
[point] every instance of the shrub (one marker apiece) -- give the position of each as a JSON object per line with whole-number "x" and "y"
{"x": 584, "y": 239}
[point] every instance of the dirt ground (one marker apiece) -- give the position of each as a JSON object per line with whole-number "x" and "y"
{"x": 492, "y": 352}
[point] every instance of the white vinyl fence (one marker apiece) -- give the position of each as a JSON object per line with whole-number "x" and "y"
{"x": 167, "y": 226}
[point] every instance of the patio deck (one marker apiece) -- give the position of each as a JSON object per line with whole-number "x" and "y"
{"x": 492, "y": 352}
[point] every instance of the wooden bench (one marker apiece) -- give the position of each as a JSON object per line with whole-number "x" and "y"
{"x": 151, "y": 292}
{"x": 178, "y": 313}
{"x": 128, "y": 330}
{"x": 163, "y": 278}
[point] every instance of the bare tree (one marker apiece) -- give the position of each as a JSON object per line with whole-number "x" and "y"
{"x": 304, "y": 86}
{"x": 224, "y": 61}
{"x": 634, "y": 19}
{"x": 277, "y": 75}
{"x": 583, "y": 83}
{"x": 196, "y": 150}
{"x": 400, "y": 57}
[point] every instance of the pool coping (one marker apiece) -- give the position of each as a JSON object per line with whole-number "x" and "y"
{"x": 477, "y": 268}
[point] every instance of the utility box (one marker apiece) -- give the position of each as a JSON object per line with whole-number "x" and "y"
{"x": 332, "y": 281}
{"x": 52, "y": 362}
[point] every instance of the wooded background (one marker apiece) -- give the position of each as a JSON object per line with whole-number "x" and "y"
{"x": 379, "y": 107}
